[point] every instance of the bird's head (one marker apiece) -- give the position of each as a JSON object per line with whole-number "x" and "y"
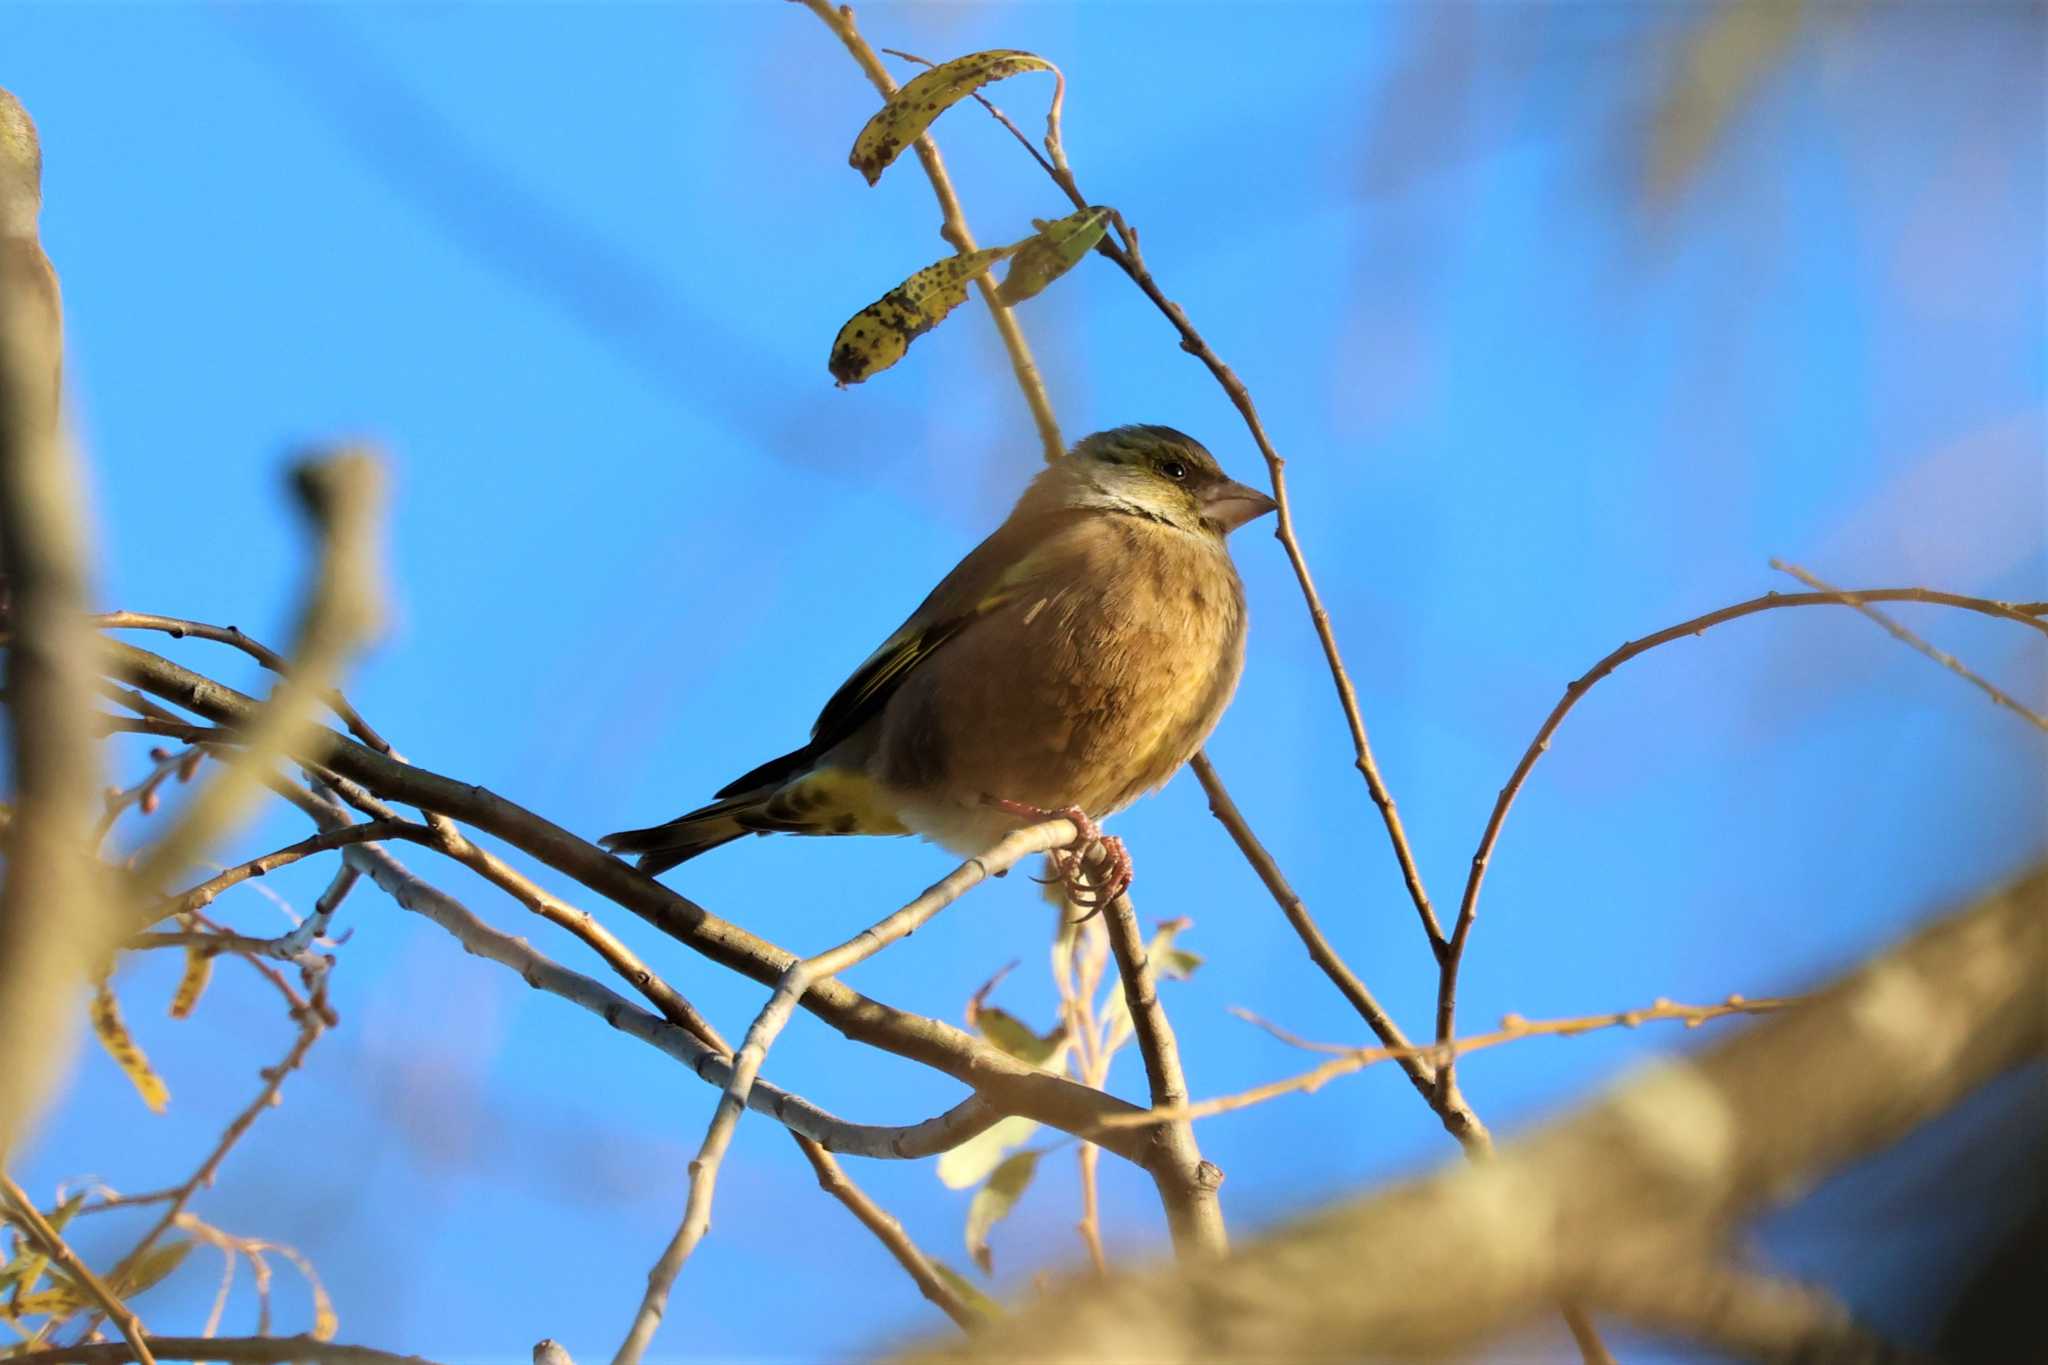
{"x": 1154, "y": 472}
{"x": 21, "y": 168}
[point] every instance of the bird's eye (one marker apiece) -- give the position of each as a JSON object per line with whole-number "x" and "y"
{"x": 1174, "y": 469}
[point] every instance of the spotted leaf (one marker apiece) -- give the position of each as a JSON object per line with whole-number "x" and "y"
{"x": 877, "y": 336}
{"x": 911, "y": 109}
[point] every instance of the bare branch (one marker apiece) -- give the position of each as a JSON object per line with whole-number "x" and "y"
{"x": 1618, "y": 1207}
{"x": 1187, "y": 1184}
{"x": 1468, "y": 908}
{"x": 1900, "y": 633}
{"x": 179, "y": 628}
{"x": 1512, "y": 1029}
{"x": 768, "y": 1025}
{"x": 1012, "y": 1086}
{"x": 888, "y": 1231}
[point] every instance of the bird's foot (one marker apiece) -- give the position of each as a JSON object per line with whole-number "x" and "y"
{"x": 1110, "y": 879}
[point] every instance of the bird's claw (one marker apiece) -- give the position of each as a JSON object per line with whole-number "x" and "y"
{"x": 1111, "y": 879}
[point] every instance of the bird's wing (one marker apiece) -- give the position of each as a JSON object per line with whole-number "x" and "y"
{"x": 1020, "y": 552}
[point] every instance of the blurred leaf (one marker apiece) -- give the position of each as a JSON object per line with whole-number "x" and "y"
{"x": 192, "y": 985}
{"x": 973, "y": 1159}
{"x": 1016, "y": 1037}
{"x": 21, "y": 1273}
{"x": 993, "y": 1202}
{"x": 978, "y": 1303}
{"x": 911, "y": 109}
{"x": 156, "y": 1264}
{"x": 114, "y": 1037}
{"x": 55, "y": 1303}
{"x": 1058, "y": 246}
{"x": 877, "y": 336}
{"x": 1720, "y": 64}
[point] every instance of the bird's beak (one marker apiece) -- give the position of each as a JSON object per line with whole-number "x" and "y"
{"x": 1230, "y": 505}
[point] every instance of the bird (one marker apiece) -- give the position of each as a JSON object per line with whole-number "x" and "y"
{"x": 1071, "y": 663}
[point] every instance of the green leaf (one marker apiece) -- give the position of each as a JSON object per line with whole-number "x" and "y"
{"x": 877, "y": 336}
{"x": 154, "y": 1267}
{"x": 1057, "y": 248}
{"x": 28, "y": 1265}
{"x": 993, "y": 1202}
{"x": 973, "y": 1159}
{"x": 911, "y": 109}
{"x": 977, "y": 1303}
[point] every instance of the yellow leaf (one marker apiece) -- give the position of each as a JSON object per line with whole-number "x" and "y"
{"x": 1057, "y": 248}
{"x": 911, "y": 110}
{"x": 155, "y": 1266}
{"x": 993, "y": 1202}
{"x": 877, "y": 336}
{"x": 114, "y": 1037}
{"x": 198, "y": 971}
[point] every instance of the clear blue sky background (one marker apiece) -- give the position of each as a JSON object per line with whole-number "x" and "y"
{"x": 578, "y": 270}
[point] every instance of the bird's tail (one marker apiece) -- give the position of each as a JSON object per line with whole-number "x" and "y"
{"x": 820, "y": 801}
{"x": 660, "y": 847}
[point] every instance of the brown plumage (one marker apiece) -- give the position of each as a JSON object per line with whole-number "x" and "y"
{"x": 1076, "y": 658}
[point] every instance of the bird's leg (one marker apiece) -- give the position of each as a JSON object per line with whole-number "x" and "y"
{"x": 1071, "y": 862}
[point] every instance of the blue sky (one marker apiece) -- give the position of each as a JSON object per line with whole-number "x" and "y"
{"x": 578, "y": 270}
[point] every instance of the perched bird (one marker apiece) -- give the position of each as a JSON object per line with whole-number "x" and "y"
{"x": 1070, "y": 664}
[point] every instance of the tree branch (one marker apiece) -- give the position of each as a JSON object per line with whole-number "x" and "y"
{"x": 768, "y": 1025}
{"x": 51, "y": 1243}
{"x": 239, "y": 1350}
{"x": 1010, "y": 1085}
{"x": 1617, "y": 1206}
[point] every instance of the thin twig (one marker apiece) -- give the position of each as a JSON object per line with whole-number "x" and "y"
{"x": 1899, "y": 632}
{"x": 1512, "y": 1029}
{"x": 888, "y": 1231}
{"x": 341, "y": 494}
{"x": 796, "y": 980}
{"x": 955, "y": 231}
{"x": 1468, "y": 907}
{"x": 204, "y": 894}
{"x": 52, "y": 1244}
{"x": 179, "y": 628}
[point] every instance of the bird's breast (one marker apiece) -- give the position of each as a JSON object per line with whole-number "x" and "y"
{"x": 1089, "y": 689}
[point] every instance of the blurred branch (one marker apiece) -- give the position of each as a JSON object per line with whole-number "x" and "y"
{"x": 1513, "y": 1029}
{"x": 1011, "y": 1086}
{"x": 56, "y": 921}
{"x": 238, "y": 1350}
{"x": 1900, "y": 633}
{"x": 341, "y": 494}
{"x": 179, "y": 628}
{"x": 1621, "y": 1205}
{"x": 955, "y": 230}
{"x": 22, "y": 1212}
{"x": 768, "y": 1025}
{"x": 1468, "y": 909}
